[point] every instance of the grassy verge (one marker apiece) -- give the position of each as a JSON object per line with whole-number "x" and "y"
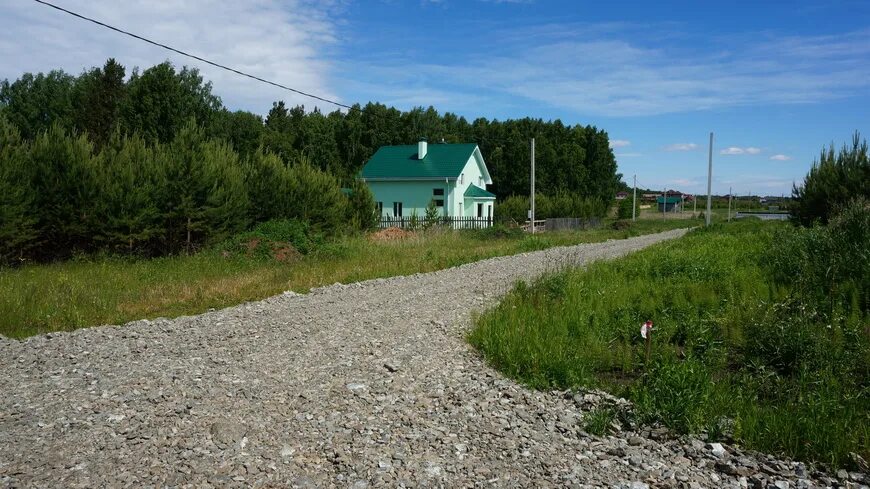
{"x": 735, "y": 353}
{"x": 41, "y": 298}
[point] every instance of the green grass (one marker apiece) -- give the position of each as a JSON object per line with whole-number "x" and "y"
{"x": 734, "y": 353}
{"x": 64, "y": 296}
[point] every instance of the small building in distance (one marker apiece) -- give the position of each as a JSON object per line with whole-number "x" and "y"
{"x": 671, "y": 203}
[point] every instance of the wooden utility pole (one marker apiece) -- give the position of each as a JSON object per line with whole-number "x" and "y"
{"x": 710, "y": 182}
{"x": 634, "y": 200}
{"x": 532, "y": 199}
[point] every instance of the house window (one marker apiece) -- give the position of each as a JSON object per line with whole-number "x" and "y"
{"x": 437, "y": 191}
{"x": 489, "y": 211}
{"x": 380, "y": 208}
{"x": 461, "y": 178}
{"x": 479, "y": 210}
{"x": 439, "y": 202}
{"x": 397, "y": 209}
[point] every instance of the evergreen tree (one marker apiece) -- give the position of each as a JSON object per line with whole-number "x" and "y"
{"x": 64, "y": 190}
{"x": 833, "y": 181}
{"x": 127, "y": 205}
{"x": 97, "y": 101}
{"x": 17, "y": 221}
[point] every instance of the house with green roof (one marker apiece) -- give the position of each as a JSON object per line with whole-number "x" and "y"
{"x": 404, "y": 179}
{"x": 671, "y": 203}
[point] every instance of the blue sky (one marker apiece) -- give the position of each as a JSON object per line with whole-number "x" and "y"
{"x": 775, "y": 81}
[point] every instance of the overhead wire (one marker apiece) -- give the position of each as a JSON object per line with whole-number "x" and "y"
{"x": 193, "y": 56}
{"x": 482, "y": 140}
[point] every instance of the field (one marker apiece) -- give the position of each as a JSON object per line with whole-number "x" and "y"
{"x": 57, "y": 297}
{"x": 743, "y": 348}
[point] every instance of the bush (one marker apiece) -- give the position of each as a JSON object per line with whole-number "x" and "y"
{"x": 266, "y": 237}
{"x": 832, "y": 182}
{"x": 829, "y": 267}
{"x": 499, "y": 231}
{"x": 515, "y": 207}
{"x": 623, "y": 210}
{"x": 361, "y": 212}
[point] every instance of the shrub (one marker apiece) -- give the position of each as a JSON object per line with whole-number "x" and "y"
{"x": 264, "y": 238}
{"x": 623, "y": 210}
{"x": 515, "y": 207}
{"x": 361, "y": 212}
{"x": 834, "y": 180}
{"x": 499, "y": 231}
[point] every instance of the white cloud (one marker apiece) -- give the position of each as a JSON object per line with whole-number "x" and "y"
{"x": 620, "y": 70}
{"x": 736, "y": 150}
{"x": 284, "y": 41}
{"x": 681, "y": 147}
{"x": 780, "y": 157}
{"x": 683, "y": 181}
{"x": 627, "y": 155}
{"x": 619, "y": 143}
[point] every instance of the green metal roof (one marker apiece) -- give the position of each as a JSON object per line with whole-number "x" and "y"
{"x": 476, "y": 192}
{"x": 671, "y": 200}
{"x": 400, "y": 162}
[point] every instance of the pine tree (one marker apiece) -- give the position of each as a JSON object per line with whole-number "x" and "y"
{"x": 17, "y": 222}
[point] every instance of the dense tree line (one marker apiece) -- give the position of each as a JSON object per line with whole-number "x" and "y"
{"x": 155, "y": 163}
{"x": 59, "y": 194}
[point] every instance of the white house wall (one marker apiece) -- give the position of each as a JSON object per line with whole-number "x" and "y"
{"x": 471, "y": 175}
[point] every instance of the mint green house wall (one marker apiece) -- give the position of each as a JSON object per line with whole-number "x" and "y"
{"x": 414, "y": 195}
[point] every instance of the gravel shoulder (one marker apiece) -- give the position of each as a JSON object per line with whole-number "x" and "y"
{"x": 360, "y": 385}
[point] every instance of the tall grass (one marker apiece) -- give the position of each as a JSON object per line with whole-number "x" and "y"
{"x": 735, "y": 353}
{"x": 64, "y": 296}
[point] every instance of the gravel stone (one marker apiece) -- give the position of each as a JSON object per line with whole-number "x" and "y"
{"x": 352, "y": 385}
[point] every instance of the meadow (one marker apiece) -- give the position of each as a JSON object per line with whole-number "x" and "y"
{"x": 88, "y": 291}
{"x": 761, "y": 336}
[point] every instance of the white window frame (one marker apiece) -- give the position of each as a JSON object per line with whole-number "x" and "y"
{"x": 397, "y": 209}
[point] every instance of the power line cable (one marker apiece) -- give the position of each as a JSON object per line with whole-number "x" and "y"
{"x": 484, "y": 140}
{"x": 193, "y": 56}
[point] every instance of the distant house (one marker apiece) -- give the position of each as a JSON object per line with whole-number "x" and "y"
{"x": 671, "y": 203}
{"x": 621, "y": 195}
{"x": 405, "y": 179}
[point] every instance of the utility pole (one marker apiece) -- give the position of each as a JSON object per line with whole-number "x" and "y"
{"x": 729, "y": 204}
{"x": 533, "y": 187}
{"x": 664, "y": 202}
{"x": 634, "y": 200}
{"x": 710, "y": 181}
{"x": 694, "y": 205}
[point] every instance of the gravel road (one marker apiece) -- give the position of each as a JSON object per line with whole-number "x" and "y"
{"x": 361, "y": 385}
